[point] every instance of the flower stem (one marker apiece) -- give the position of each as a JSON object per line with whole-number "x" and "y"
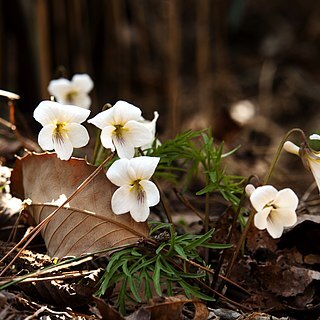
{"x": 164, "y": 203}
{"x": 233, "y": 226}
{"x": 265, "y": 181}
{"x": 276, "y": 157}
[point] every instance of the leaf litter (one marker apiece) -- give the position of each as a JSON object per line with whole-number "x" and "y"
{"x": 271, "y": 266}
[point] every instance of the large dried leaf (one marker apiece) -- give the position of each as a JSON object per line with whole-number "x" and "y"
{"x": 89, "y": 224}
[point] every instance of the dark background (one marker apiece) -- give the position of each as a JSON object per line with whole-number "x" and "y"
{"x": 189, "y": 59}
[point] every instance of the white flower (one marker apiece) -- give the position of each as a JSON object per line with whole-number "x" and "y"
{"x": 61, "y": 130}
{"x": 121, "y": 129}
{"x": 10, "y": 203}
{"x": 275, "y": 209}
{"x": 151, "y": 126}
{"x": 310, "y": 158}
{"x": 136, "y": 193}
{"x": 74, "y": 92}
{"x": 314, "y": 137}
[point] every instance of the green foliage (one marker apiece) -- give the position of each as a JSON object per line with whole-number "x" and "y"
{"x": 195, "y": 154}
{"x": 157, "y": 266}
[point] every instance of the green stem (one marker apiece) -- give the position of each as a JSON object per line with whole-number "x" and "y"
{"x": 164, "y": 203}
{"x": 275, "y": 159}
{"x": 265, "y": 181}
{"x": 233, "y": 226}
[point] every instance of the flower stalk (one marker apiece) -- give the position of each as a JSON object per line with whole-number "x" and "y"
{"x": 252, "y": 212}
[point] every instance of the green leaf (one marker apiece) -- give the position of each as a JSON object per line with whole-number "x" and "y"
{"x": 156, "y": 277}
{"x": 133, "y": 289}
{"x": 180, "y": 251}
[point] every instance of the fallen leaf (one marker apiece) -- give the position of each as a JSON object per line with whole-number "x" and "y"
{"x": 304, "y": 235}
{"x": 88, "y": 225}
{"x": 287, "y": 281}
{"x": 171, "y": 308}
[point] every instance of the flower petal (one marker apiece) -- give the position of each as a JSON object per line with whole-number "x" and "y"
{"x": 150, "y": 125}
{"x": 103, "y": 119}
{"x": 122, "y": 200}
{"x": 71, "y": 113}
{"x": 77, "y": 134}
{"x": 260, "y": 218}
{"x": 124, "y": 111}
{"x": 118, "y": 173}
{"x": 262, "y": 196}
{"x": 291, "y": 148}
{"x": 125, "y": 149}
{"x": 286, "y": 217}
{"x": 274, "y": 225}
{"x": 82, "y": 82}
{"x": 63, "y": 148}
{"x": 53, "y": 112}
{"x": 59, "y": 87}
{"x": 140, "y": 212}
{"x": 315, "y": 169}
{"x": 106, "y": 137}
{"x": 314, "y": 137}
{"x": 46, "y": 112}
{"x": 249, "y": 189}
{"x": 45, "y": 138}
{"x": 144, "y": 166}
{"x": 152, "y": 192}
{"x": 136, "y": 133}
{"x": 82, "y": 100}
{"x": 286, "y": 198}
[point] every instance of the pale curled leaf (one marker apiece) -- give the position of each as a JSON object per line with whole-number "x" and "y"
{"x": 89, "y": 224}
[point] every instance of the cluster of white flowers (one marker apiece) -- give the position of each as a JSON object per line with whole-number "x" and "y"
{"x": 123, "y": 129}
{"x": 277, "y": 209}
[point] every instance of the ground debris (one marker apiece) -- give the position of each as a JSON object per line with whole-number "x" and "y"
{"x": 226, "y": 314}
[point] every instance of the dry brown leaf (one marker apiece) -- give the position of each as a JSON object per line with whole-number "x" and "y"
{"x": 171, "y": 308}
{"x": 89, "y": 225}
{"x": 286, "y": 281}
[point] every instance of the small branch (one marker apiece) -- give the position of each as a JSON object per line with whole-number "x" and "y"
{"x": 187, "y": 203}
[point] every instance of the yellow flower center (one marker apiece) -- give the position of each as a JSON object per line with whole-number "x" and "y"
{"x": 118, "y": 132}
{"x": 138, "y": 189}
{"x": 59, "y": 131}
{"x": 70, "y": 96}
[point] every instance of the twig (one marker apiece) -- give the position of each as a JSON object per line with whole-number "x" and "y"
{"x": 187, "y": 203}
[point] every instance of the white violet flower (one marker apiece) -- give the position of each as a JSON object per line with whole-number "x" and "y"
{"x": 121, "y": 129}
{"x": 135, "y": 193}
{"x": 151, "y": 126}
{"x": 61, "y": 130}
{"x": 74, "y": 92}
{"x": 275, "y": 209}
{"x": 310, "y": 158}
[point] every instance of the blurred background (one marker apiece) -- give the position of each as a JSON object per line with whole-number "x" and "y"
{"x": 249, "y": 69}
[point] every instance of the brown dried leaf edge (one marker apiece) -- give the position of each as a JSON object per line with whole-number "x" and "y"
{"x": 89, "y": 225}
